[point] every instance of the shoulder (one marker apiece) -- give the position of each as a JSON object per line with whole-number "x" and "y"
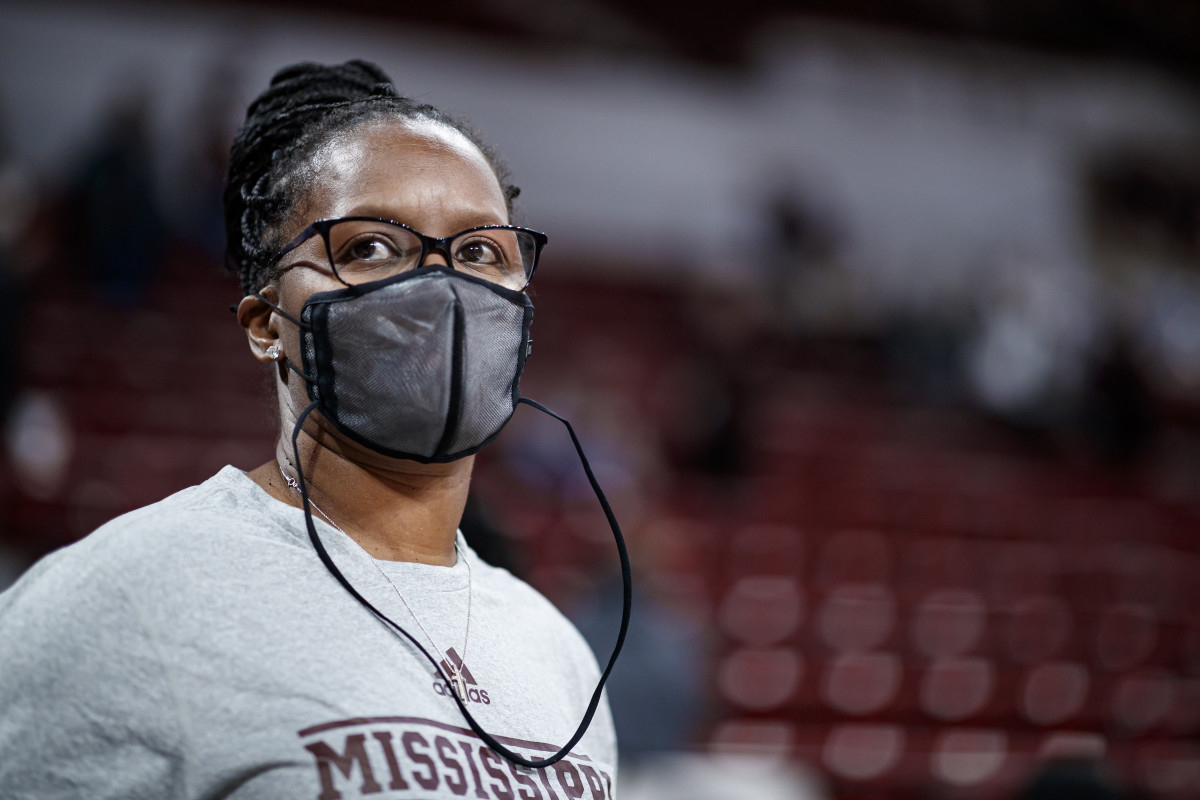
{"x": 83, "y": 632}
{"x": 224, "y": 502}
{"x": 173, "y": 528}
{"x": 81, "y": 665}
{"x": 133, "y": 554}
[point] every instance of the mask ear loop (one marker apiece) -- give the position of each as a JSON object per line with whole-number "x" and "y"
{"x": 626, "y": 578}
{"x": 626, "y": 583}
{"x": 282, "y": 313}
{"x": 309, "y": 379}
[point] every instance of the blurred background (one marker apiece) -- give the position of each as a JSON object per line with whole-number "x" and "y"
{"x": 880, "y": 320}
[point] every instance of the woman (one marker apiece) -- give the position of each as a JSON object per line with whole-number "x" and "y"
{"x": 317, "y": 627}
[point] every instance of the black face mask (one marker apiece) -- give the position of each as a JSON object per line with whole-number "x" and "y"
{"x": 425, "y": 366}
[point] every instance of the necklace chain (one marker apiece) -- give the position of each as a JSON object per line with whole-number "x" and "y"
{"x": 457, "y": 678}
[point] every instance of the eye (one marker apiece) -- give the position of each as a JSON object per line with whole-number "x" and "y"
{"x": 480, "y": 253}
{"x": 372, "y": 249}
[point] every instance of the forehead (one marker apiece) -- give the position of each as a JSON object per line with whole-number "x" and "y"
{"x": 423, "y": 173}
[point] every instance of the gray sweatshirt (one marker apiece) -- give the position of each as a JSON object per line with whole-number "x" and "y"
{"x": 197, "y": 648}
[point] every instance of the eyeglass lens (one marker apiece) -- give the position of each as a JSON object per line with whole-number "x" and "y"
{"x": 362, "y": 251}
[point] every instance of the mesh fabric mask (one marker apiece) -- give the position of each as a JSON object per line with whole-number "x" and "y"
{"x": 424, "y": 365}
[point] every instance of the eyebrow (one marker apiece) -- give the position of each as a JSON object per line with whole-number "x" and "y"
{"x": 469, "y": 218}
{"x": 369, "y": 211}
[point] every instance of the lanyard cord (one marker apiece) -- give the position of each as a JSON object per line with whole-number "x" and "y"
{"x": 626, "y": 579}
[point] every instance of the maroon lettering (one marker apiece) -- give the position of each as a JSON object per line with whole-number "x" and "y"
{"x": 593, "y": 780}
{"x": 410, "y": 740}
{"x": 355, "y": 753}
{"x": 385, "y": 740}
{"x": 544, "y": 774}
{"x": 443, "y": 745}
{"x": 466, "y": 748}
{"x": 449, "y": 759}
{"x": 491, "y": 765}
{"x": 487, "y": 701}
{"x": 520, "y": 775}
{"x": 607, "y": 781}
{"x": 568, "y": 778}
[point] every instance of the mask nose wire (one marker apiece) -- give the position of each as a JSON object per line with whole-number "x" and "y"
{"x": 626, "y": 580}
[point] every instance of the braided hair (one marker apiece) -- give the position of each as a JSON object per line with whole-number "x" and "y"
{"x": 304, "y": 107}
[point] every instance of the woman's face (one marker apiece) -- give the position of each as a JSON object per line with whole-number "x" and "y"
{"x": 424, "y": 174}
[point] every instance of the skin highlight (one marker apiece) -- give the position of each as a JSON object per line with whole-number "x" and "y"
{"x": 431, "y": 177}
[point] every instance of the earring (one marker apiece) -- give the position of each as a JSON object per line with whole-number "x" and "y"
{"x": 273, "y": 352}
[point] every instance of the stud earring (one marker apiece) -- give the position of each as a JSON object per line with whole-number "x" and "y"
{"x": 273, "y": 352}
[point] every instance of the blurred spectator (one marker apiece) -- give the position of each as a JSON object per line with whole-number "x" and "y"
{"x": 798, "y": 239}
{"x": 119, "y": 222}
{"x": 924, "y": 352}
{"x": 18, "y": 206}
{"x": 197, "y": 196}
{"x": 12, "y": 564}
{"x": 1118, "y": 411}
{"x": 1036, "y": 328}
{"x": 606, "y": 416}
{"x": 22, "y": 252}
{"x": 39, "y": 443}
{"x": 704, "y": 398}
{"x": 685, "y": 776}
{"x": 656, "y": 690}
{"x": 1169, "y": 329}
{"x": 1071, "y": 779}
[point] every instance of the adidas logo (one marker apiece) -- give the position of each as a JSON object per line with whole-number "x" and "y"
{"x": 462, "y": 682}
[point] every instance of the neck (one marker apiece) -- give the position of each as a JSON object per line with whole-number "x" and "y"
{"x": 396, "y": 510}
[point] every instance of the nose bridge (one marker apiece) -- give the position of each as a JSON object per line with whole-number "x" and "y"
{"x": 439, "y": 249}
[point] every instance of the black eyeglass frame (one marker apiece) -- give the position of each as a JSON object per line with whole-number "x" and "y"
{"x": 429, "y": 244}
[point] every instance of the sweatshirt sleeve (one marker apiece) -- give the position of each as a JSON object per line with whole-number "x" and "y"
{"x": 86, "y": 708}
